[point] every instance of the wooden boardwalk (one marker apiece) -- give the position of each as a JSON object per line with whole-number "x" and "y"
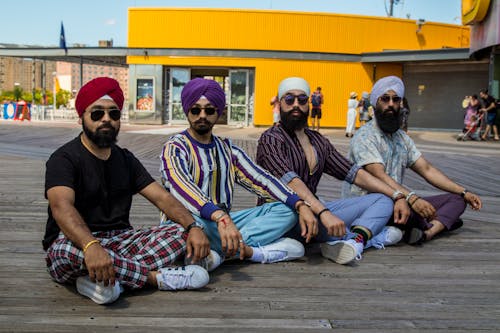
{"x": 451, "y": 284}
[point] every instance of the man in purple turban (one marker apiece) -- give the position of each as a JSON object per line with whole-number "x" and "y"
{"x": 89, "y": 183}
{"x": 200, "y": 170}
{"x": 385, "y": 151}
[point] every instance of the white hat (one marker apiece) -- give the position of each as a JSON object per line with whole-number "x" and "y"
{"x": 293, "y": 83}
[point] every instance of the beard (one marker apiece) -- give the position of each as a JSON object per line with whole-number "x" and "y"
{"x": 202, "y": 126}
{"x": 293, "y": 122}
{"x": 388, "y": 122}
{"x": 102, "y": 138}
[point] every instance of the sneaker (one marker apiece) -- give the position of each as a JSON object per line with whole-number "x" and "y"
{"x": 97, "y": 291}
{"x": 183, "y": 277}
{"x": 284, "y": 249}
{"x": 388, "y": 236}
{"x": 414, "y": 236}
{"x": 210, "y": 262}
{"x": 342, "y": 252}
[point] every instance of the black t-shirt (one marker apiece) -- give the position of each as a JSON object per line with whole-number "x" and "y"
{"x": 487, "y": 102}
{"x": 103, "y": 189}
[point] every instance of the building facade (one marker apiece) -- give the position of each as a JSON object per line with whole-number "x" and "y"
{"x": 250, "y": 51}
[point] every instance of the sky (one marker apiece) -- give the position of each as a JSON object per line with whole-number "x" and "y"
{"x": 38, "y": 22}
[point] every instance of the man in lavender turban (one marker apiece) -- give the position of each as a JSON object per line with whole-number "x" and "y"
{"x": 200, "y": 169}
{"x": 385, "y": 151}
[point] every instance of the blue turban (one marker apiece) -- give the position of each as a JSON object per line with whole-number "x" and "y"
{"x": 199, "y": 87}
{"x": 385, "y": 84}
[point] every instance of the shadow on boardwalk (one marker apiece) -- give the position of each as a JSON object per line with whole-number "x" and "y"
{"x": 446, "y": 285}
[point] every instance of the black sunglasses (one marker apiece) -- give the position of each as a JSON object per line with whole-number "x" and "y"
{"x": 290, "y": 99}
{"x": 387, "y": 98}
{"x": 209, "y": 110}
{"x": 97, "y": 114}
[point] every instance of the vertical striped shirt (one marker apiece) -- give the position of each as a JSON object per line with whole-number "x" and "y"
{"x": 281, "y": 154}
{"x": 202, "y": 176}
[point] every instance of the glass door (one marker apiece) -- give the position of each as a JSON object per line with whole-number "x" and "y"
{"x": 237, "y": 108}
{"x": 178, "y": 79}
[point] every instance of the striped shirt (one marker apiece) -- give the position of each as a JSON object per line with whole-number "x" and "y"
{"x": 281, "y": 154}
{"x": 202, "y": 176}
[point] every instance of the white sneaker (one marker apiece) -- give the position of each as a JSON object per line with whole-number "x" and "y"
{"x": 183, "y": 277}
{"x": 342, "y": 252}
{"x": 210, "y": 262}
{"x": 97, "y": 291}
{"x": 284, "y": 249}
{"x": 388, "y": 236}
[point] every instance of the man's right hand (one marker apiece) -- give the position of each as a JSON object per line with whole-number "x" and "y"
{"x": 100, "y": 265}
{"x": 230, "y": 236}
{"x": 401, "y": 211}
{"x": 424, "y": 209}
{"x": 197, "y": 245}
{"x": 334, "y": 225}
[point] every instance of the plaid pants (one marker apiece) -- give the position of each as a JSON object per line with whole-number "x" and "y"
{"x": 134, "y": 253}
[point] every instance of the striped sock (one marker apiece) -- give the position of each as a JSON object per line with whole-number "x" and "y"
{"x": 361, "y": 234}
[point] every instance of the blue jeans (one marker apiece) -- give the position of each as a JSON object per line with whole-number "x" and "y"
{"x": 259, "y": 226}
{"x": 371, "y": 211}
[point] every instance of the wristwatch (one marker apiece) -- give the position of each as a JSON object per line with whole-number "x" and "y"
{"x": 397, "y": 195}
{"x": 195, "y": 224}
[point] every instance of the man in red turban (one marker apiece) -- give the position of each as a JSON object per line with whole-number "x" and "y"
{"x": 89, "y": 183}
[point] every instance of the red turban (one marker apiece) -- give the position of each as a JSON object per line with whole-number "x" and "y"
{"x": 95, "y": 89}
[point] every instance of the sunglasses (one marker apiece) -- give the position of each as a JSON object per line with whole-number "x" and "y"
{"x": 387, "y": 98}
{"x": 97, "y": 114}
{"x": 290, "y": 99}
{"x": 209, "y": 110}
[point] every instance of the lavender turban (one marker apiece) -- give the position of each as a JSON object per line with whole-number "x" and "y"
{"x": 293, "y": 83}
{"x": 199, "y": 87}
{"x": 384, "y": 85}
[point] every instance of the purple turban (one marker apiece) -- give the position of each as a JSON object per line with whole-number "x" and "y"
{"x": 384, "y": 85}
{"x": 199, "y": 87}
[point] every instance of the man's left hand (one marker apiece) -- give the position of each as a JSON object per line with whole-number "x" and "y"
{"x": 473, "y": 200}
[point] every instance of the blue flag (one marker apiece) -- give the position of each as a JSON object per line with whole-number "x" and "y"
{"x": 62, "y": 40}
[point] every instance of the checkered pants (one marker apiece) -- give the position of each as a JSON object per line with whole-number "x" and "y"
{"x": 134, "y": 253}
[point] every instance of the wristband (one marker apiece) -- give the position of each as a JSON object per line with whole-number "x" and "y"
{"x": 411, "y": 204}
{"x": 301, "y": 203}
{"x": 321, "y": 212}
{"x": 463, "y": 193}
{"x": 89, "y": 244}
{"x": 409, "y": 195}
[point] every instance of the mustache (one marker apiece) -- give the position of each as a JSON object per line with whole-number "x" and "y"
{"x": 105, "y": 126}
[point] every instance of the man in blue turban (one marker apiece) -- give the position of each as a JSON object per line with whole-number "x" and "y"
{"x": 200, "y": 170}
{"x": 385, "y": 151}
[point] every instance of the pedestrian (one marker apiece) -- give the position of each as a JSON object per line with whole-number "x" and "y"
{"x": 276, "y": 110}
{"x": 490, "y": 112}
{"x": 364, "y": 108}
{"x": 405, "y": 114}
{"x": 352, "y": 104}
{"x": 317, "y": 101}
{"x": 89, "y": 184}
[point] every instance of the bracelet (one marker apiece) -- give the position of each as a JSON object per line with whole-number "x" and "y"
{"x": 397, "y": 195}
{"x": 411, "y": 204}
{"x": 409, "y": 195}
{"x": 300, "y": 204}
{"x": 89, "y": 244}
{"x": 463, "y": 193}
{"x": 321, "y": 212}
{"x": 218, "y": 217}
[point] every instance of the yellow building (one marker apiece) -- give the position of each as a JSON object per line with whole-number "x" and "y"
{"x": 250, "y": 51}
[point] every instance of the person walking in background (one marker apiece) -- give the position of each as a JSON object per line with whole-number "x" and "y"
{"x": 352, "y": 104}
{"x": 385, "y": 151}
{"x": 490, "y": 111}
{"x": 201, "y": 170}
{"x": 275, "y": 103}
{"x": 405, "y": 114}
{"x": 316, "y": 103}
{"x": 89, "y": 183}
{"x": 364, "y": 108}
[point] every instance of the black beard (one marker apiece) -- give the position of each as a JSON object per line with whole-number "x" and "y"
{"x": 202, "y": 127}
{"x": 388, "y": 122}
{"x": 102, "y": 139}
{"x": 293, "y": 123}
